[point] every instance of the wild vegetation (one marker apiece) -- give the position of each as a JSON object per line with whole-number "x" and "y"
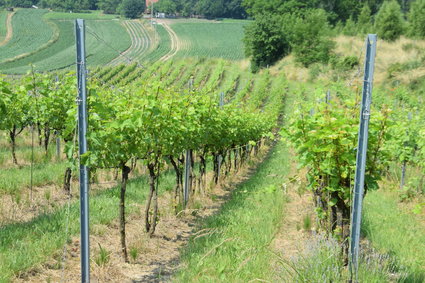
{"x": 154, "y": 98}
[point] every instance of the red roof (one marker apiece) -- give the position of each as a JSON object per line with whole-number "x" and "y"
{"x": 148, "y": 2}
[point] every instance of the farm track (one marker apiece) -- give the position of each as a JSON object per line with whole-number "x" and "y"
{"x": 140, "y": 43}
{"x": 175, "y": 43}
{"x": 9, "y": 33}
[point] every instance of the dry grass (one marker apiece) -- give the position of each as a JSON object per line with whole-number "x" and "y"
{"x": 388, "y": 53}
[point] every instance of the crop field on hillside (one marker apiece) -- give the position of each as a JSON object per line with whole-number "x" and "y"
{"x": 93, "y": 15}
{"x": 141, "y": 42}
{"x": 214, "y": 40}
{"x": 3, "y": 30}
{"x": 104, "y": 40}
{"x": 30, "y": 33}
{"x": 45, "y": 40}
{"x": 202, "y": 164}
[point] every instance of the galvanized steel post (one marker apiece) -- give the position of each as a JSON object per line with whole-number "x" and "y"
{"x": 82, "y": 144}
{"x": 187, "y": 179}
{"x": 361, "y": 155}
{"x": 220, "y": 158}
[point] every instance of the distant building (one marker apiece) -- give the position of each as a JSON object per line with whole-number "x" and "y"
{"x": 149, "y": 2}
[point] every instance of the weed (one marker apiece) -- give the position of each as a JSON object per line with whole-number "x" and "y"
{"x": 307, "y": 222}
{"x": 48, "y": 195}
{"x": 103, "y": 257}
{"x": 134, "y": 253}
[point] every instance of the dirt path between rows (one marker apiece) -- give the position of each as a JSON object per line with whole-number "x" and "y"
{"x": 9, "y": 28}
{"x": 175, "y": 43}
{"x": 291, "y": 240}
{"x": 154, "y": 259}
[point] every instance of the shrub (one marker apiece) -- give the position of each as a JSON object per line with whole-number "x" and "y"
{"x": 266, "y": 41}
{"x": 417, "y": 19}
{"x": 132, "y": 8}
{"x": 364, "y": 23}
{"x": 310, "y": 41}
{"x": 350, "y": 27}
{"x": 345, "y": 63}
{"x": 389, "y": 21}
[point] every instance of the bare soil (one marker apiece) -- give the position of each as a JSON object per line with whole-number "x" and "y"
{"x": 9, "y": 33}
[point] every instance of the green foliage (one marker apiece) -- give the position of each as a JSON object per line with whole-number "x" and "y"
{"x": 389, "y": 23}
{"x": 65, "y": 5}
{"x": 364, "y": 21}
{"x": 266, "y": 41}
{"x": 139, "y": 120}
{"x": 115, "y": 133}
{"x": 307, "y": 222}
{"x": 109, "y": 6}
{"x": 350, "y": 27}
{"x": 417, "y": 19}
{"x": 166, "y": 6}
{"x": 205, "y": 8}
{"x": 310, "y": 42}
{"x": 340, "y": 10}
{"x": 134, "y": 253}
{"x": 344, "y": 63}
{"x": 407, "y": 127}
{"x": 325, "y": 143}
{"x": 132, "y": 8}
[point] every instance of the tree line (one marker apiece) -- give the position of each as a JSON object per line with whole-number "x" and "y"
{"x": 133, "y": 8}
{"x": 305, "y": 27}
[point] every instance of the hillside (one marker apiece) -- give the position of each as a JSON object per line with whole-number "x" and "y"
{"x": 200, "y": 169}
{"x": 138, "y": 40}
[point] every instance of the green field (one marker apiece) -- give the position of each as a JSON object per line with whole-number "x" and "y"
{"x": 163, "y": 47}
{"x": 46, "y": 40}
{"x": 62, "y": 52}
{"x": 30, "y": 33}
{"x": 214, "y": 40}
{"x": 94, "y": 15}
{"x": 3, "y": 16}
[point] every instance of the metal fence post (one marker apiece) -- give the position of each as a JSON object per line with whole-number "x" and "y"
{"x": 220, "y": 158}
{"x": 361, "y": 155}
{"x": 187, "y": 162}
{"x": 187, "y": 179}
{"x": 328, "y": 97}
{"x": 82, "y": 144}
{"x": 403, "y": 168}
{"x": 58, "y": 146}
